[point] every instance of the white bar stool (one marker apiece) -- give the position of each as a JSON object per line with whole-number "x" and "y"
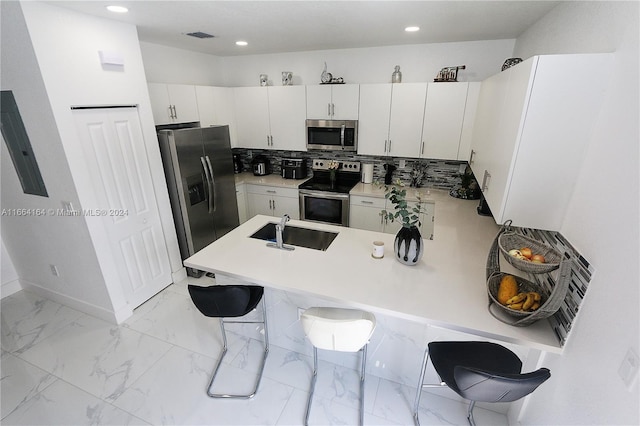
{"x": 337, "y": 329}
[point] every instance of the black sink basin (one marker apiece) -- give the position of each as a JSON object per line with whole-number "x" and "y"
{"x": 297, "y": 236}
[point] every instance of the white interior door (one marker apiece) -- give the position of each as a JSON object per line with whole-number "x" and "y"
{"x": 115, "y": 153}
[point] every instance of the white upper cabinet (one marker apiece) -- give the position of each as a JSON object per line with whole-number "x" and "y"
{"x": 471, "y": 106}
{"x": 287, "y": 114}
{"x": 391, "y": 118}
{"x": 333, "y": 101}
{"x": 271, "y": 117}
{"x": 173, "y": 103}
{"x": 216, "y": 107}
{"x": 443, "y": 118}
{"x": 531, "y": 131}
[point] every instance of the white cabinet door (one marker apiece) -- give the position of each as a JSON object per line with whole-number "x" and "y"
{"x": 364, "y": 213}
{"x": 216, "y": 107}
{"x": 373, "y": 124}
{"x": 405, "y": 124}
{"x": 241, "y": 197}
{"x": 185, "y": 105}
{"x": 160, "y": 103}
{"x": 272, "y": 201}
{"x": 114, "y": 150}
{"x": 318, "y": 101}
{"x": 287, "y": 114}
{"x": 252, "y": 117}
{"x": 173, "y": 103}
{"x": 259, "y": 204}
{"x": 333, "y": 101}
{"x": 443, "y": 119}
{"x": 286, "y": 205}
{"x": 530, "y": 128}
{"x": 345, "y": 100}
{"x": 471, "y": 106}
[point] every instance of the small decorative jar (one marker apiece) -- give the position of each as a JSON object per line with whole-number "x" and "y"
{"x": 396, "y": 77}
{"x": 263, "y": 79}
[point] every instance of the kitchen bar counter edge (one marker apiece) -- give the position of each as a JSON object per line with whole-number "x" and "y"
{"x": 446, "y": 289}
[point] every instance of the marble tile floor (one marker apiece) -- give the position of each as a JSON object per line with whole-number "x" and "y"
{"x": 60, "y": 366}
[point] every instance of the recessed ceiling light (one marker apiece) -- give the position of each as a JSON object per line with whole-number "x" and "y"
{"x": 412, "y": 29}
{"x": 241, "y": 43}
{"x": 117, "y": 9}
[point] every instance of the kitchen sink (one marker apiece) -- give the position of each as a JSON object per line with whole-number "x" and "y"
{"x": 297, "y": 236}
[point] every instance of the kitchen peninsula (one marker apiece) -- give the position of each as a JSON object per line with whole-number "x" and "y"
{"x": 446, "y": 289}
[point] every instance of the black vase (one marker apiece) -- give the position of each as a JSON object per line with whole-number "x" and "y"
{"x": 408, "y": 245}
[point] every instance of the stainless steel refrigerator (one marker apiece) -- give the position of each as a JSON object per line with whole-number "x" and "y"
{"x": 198, "y": 166}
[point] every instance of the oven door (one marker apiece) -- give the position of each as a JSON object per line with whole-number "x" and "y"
{"x": 324, "y": 207}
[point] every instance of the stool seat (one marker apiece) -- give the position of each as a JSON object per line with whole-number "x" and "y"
{"x": 337, "y": 329}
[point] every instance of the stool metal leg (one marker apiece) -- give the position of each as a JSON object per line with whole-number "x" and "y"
{"x": 313, "y": 386}
{"x": 472, "y": 422}
{"x": 314, "y": 376}
{"x": 224, "y": 352}
{"x": 422, "y": 385}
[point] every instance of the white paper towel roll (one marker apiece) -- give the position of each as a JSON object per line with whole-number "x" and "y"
{"x": 367, "y": 173}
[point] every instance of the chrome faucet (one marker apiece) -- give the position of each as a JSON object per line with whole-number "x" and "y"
{"x": 279, "y": 231}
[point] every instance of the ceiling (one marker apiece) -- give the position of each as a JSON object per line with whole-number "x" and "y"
{"x": 293, "y": 26}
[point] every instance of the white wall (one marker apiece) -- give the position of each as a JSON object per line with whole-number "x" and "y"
{"x": 72, "y": 76}
{"x": 8, "y": 275}
{"x": 35, "y": 242}
{"x": 418, "y": 63}
{"x": 602, "y": 222}
{"x": 163, "y": 64}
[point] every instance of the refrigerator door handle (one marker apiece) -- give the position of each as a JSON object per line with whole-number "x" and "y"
{"x": 209, "y": 189}
{"x": 213, "y": 184}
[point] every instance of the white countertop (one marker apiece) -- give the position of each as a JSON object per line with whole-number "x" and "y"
{"x": 447, "y": 288}
{"x": 267, "y": 180}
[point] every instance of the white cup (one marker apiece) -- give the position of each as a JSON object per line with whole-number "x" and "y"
{"x": 378, "y": 250}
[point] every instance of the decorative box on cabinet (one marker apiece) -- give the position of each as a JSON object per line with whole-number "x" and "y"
{"x": 173, "y": 103}
{"x": 271, "y": 117}
{"x": 272, "y": 201}
{"x": 531, "y": 131}
{"x": 333, "y": 101}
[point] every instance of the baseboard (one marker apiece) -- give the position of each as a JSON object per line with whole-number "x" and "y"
{"x": 179, "y": 275}
{"x": 79, "y": 305}
{"x": 10, "y": 288}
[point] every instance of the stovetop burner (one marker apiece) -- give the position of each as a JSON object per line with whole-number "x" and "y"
{"x": 347, "y": 176}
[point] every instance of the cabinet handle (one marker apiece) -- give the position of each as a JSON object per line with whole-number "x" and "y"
{"x": 485, "y": 184}
{"x": 329, "y": 109}
{"x": 271, "y": 191}
{"x": 333, "y": 109}
{"x": 385, "y": 145}
{"x": 271, "y": 137}
{"x": 366, "y": 202}
{"x": 175, "y": 113}
{"x": 422, "y": 148}
{"x": 274, "y": 205}
{"x": 473, "y": 153}
{"x": 389, "y": 145}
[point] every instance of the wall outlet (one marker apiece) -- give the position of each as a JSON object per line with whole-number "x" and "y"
{"x": 462, "y": 168}
{"x": 300, "y": 312}
{"x": 54, "y": 270}
{"x": 402, "y": 164}
{"x": 628, "y": 370}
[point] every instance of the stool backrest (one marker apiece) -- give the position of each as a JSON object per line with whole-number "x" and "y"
{"x": 225, "y": 300}
{"x": 338, "y": 329}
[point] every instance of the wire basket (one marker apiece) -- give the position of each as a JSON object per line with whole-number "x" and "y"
{"x": 509, "y": 241}
{"x": 524, "y": 286}
{"x": 550, "y": 302}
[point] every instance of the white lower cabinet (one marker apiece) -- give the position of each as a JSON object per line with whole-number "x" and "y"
{"x": 364, "y": 213}
{"x": 272, "y": 201}
{"x": 241, "y": 197}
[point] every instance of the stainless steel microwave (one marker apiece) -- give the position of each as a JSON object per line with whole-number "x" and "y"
{"x": 332, "y": 135}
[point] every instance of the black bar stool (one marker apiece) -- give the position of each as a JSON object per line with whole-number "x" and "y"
{"x": 231, "y": 301}
{"x": 479, "y": 372}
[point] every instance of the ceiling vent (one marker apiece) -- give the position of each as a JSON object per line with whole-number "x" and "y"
{"x": 200, "y": 34}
